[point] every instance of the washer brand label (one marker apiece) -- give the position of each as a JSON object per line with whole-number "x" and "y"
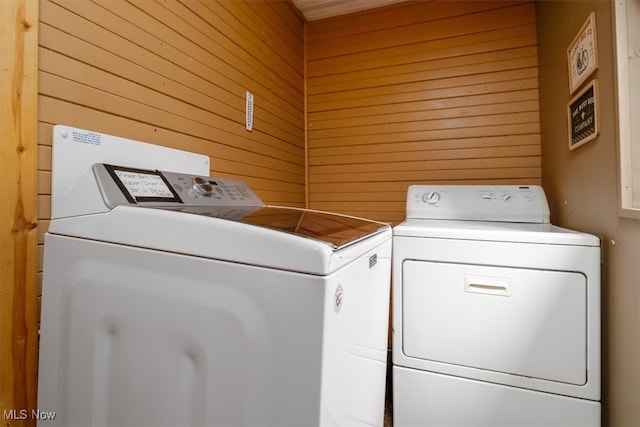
{"x": 86, "y": 137}
{"x": 337, "y": 298}
{"x": 373, "y": 260}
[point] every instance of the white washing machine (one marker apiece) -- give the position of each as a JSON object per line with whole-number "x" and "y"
{"x": 496, "y": 312}
{"x": 179, "y": 300}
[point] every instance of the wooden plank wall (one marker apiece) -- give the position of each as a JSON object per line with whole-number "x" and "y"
{"x": 176, "y": 73}
{"x": 420, "y": 92}
{"x": 18, "y": 212}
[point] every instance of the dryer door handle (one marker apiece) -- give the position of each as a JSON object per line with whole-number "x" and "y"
{"x": 499, "y": 286}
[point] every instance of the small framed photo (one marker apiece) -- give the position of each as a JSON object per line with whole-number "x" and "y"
{"x": 583, "y": 116}
{"x": 582, "y": 54}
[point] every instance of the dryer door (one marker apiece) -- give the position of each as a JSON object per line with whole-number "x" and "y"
{"x": 517, "y": 321}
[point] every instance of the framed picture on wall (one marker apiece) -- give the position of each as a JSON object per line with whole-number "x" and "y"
{"x": 583, "y": 116}
{"x": 582, "y": 54}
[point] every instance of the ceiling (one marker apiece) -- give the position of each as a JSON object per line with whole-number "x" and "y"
{"x": 320, "y": 9}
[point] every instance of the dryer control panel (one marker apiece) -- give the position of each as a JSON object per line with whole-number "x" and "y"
{"x": 121, "y": 185}
{"x": 505, "y": 203}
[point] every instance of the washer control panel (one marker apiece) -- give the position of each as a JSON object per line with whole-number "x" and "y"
{"x": 507, "y": 203}
{"x": 121, "y": 185}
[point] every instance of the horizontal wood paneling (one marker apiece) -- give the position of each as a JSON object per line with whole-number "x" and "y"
{"x": 420, "y": 92}
{"x": 175, "y": 73}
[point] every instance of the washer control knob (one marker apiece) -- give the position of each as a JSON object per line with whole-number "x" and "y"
{"x": 201, "y": 186}
{"x": 506, "y": 197}
{"x": 432, "y": 197}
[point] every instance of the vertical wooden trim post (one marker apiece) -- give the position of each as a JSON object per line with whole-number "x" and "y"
{"x": 18, "y": 211}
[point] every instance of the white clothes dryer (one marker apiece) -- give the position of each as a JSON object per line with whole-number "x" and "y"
{"x": 174, "y": 300}
{"x": 496, "y": 312}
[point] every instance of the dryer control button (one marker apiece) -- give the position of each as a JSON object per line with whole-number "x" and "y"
{"x": 432, "y": 197}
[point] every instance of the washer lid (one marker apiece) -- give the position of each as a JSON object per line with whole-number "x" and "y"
{"x": 334, "y": 230}
{"x": 543, "y": 233}
{"x": 287, "y": 239}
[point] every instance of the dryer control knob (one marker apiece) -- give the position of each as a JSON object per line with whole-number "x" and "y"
{"x": 201, "y": 186}
{"x": 431, "y": 197}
